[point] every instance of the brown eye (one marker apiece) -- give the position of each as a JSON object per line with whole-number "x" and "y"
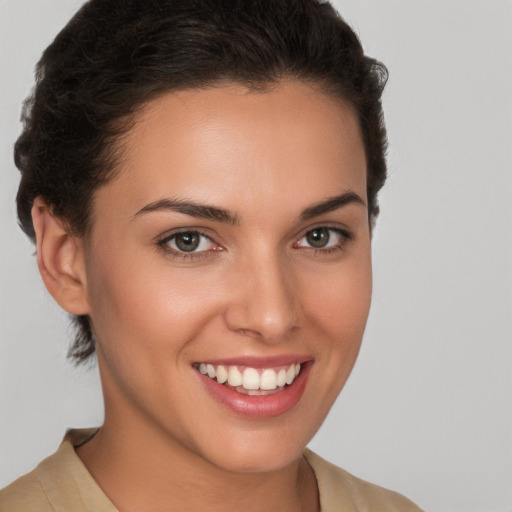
{"x": 324, "y": 239}
{"x": 318, "y": 238}
{"x": 187, "y": 241}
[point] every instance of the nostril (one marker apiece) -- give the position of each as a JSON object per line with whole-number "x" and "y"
{"x": 265, "y": 307}
{"x": 251, "y": 333}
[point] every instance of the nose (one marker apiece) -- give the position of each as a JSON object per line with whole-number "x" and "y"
{"x": 264, "y": 300}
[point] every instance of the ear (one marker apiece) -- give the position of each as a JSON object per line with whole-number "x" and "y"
{"x": 61, "y": 260}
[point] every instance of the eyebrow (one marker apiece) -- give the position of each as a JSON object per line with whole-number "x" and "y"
{"x": 221, "y": 215}
{"x": 191, "y": 208}
{"x": 331, "y": 204}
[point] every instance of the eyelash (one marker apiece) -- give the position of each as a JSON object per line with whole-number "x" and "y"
{"x": 345, "y": 237}
{"x": 183, "y": 255}
{"x": 162, "y": 244}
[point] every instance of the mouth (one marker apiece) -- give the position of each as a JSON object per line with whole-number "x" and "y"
{"x": 256, "y": 388}
{"x": 252, "y": 381}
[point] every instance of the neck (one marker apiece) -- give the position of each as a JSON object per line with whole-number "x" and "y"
{"x": 141, "y": 469}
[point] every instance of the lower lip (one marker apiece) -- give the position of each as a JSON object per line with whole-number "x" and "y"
{"x": 260, "y": 406}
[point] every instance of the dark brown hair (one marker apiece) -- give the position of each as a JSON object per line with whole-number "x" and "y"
{"x": 115, "y": 55}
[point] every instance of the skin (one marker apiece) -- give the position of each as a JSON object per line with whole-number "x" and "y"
{"x": 256, "y": 289}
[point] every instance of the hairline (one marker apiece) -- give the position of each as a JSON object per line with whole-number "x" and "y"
{"x": 114, "y": 149}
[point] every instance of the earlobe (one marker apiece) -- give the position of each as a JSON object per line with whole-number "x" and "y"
{"x": 60, "y": 259}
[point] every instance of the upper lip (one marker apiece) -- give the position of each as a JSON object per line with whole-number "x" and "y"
{"x": 258, "y": 361}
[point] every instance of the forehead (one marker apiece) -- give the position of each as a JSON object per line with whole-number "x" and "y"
{"x": 240, "y": 148}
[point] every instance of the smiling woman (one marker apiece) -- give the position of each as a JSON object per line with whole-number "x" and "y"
{"x": 253, "y": 297}
{"x": 200, "y": 180}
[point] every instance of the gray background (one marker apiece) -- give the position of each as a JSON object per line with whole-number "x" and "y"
{"x": 428, "y": 409}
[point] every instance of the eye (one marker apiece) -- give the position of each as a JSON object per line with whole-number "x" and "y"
{"x": 324, "y": 238}
{"x": 188, "y": 242}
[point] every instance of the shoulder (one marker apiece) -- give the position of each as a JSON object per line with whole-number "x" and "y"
{"x": 25, "y": 494}
{"x": 60, "y": 483}
{"x": 338, "y": 487}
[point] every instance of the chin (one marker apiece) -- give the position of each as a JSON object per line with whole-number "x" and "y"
{"x": 258, "y": 460}
{"x": 257, "y": 451}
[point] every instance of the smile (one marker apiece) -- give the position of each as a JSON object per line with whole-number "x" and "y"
{"x": 252, "y": 381}
{"x": 256, "y": 387}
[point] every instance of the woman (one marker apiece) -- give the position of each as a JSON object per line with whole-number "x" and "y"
{"x": 201, "y": 181}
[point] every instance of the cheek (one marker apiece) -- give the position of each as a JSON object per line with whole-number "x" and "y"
{"x": 147, "y": 308}
{"x": 338, "y": 302}
{"x": 342, "y": 301}
{"x": 339, "y": 312}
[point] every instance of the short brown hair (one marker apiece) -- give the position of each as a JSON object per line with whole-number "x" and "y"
{"x": 115, "y": 55}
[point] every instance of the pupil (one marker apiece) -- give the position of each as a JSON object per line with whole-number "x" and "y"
{"x": 318, "y": 237}
{"x": 187, "y": 242}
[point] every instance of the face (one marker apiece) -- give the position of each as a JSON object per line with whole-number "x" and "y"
{"x": 229, "y": 273}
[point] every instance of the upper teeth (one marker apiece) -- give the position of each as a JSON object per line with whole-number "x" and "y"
{"x": 252, "y": 378}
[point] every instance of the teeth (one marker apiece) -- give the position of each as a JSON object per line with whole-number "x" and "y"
{"x": 281, "y": 377}
{"x": 290, "y": 374}
{"x": 253, "y": 381}
{"x": 211, "y": 371}
{"x": 268, "y": 380}
{"x": 234, "y": 376}
{"x": 222, "y": 374}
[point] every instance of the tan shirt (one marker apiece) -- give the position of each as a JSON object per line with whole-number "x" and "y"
{"x": 61, "y": 483}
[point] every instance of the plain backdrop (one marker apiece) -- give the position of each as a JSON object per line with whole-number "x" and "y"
{"x": 428, "y": 408}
